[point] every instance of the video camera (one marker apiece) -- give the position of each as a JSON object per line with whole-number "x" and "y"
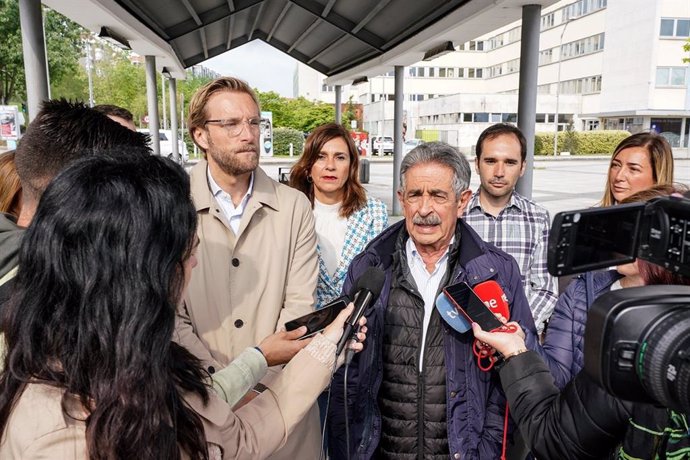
{"x": 637, "y": 340}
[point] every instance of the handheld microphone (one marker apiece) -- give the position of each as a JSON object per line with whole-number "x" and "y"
{"x": 491, "y": 293}
{"x": 367, "y": 290}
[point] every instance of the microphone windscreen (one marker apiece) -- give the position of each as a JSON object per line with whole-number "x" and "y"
{"x": 372, "y": 280}
{"x": 491, "y": 293}
{"x": 450, "y": 314}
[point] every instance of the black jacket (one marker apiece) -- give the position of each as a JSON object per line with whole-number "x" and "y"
{"x": 584, "y": 421}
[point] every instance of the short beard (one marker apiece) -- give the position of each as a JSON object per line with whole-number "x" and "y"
{"x": 228, "y": 162}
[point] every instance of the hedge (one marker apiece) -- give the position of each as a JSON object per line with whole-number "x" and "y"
{"x": 579, "y": 142}
{"x": 283, "y": 137}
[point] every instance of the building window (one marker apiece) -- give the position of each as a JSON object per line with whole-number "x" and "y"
{"x": 546, "y": 56}
{"x": 509, "y": 118}
{"x": 547, "y": 21}
{"x": 481, "y": 117}
{"x": 432, "y": 71}
{"x": 675, "y": 27}
{"x": 494, "y": 71}
{"x": 473, "y": 45}
{"x": 412, "y": 71}
{"x": 467, "y": 117}
{"x": 514, "y": 34}
{"x": 587, "y": 85}
{"x": 420, "y": 71}
{"x": 670, "y": 76}
{"x": 581, "y": 8}
{"x": 581, "y": 47}
{"x": 540, "y": 118}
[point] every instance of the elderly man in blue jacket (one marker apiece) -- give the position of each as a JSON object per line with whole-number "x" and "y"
{"x": 416, "y": 390}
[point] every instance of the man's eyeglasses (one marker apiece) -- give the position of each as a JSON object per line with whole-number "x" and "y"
{"x": 234, "y": 125}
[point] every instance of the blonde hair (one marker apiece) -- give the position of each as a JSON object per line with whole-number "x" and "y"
{"x": 660, "y": 157}
{"x": 196, "y": 118}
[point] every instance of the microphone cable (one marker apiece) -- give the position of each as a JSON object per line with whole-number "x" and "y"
{"x": 348, "y": 358}
{"x": 349, "y": 353}
{"x": 328, "y": 405}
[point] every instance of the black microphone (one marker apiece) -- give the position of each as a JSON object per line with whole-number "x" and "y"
{"x": 367, "y": 290}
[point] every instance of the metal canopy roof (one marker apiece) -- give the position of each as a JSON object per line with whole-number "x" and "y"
{"x": 328, "y": 35}
{"x": 334, "y": 37}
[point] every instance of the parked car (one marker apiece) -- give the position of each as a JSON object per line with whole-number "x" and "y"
{"x": 410, "y": 144}
{"x": 166, "y": 144}
{"x": 382, "y": 144}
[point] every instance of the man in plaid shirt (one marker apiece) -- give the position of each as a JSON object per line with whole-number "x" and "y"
{"x": 510, "y": 221}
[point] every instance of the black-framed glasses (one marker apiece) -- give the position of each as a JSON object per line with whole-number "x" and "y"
{"x": 234, "y": 125}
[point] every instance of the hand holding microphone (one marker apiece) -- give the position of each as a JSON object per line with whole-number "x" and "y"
{"x": 334, "y": 331}
{"x": 367, "y": 290}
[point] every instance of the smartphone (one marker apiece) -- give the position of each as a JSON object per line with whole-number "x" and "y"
{"x": 318, "y": 320}
{"x": 470, "y": 305}
{"x": 589, "y": 239}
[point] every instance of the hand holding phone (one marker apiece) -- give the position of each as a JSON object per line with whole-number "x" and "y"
{"x": 475, "y": 310}
{"x": 471, "y": 306}
{"x": 318, "y": 320}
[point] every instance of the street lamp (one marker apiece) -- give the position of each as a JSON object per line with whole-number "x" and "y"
{"x": 558, "y": 84}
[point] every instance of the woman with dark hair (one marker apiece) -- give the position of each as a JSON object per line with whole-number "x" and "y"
{"x": 345, "y": 219}
{"x": 91, "y": 370}
{"x": 638, "y": 162}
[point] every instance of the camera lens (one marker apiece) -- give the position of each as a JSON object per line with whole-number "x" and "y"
{"x": 663, "y": 361}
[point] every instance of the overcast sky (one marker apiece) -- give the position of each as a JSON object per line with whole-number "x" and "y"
{"x": 263, "y": 66}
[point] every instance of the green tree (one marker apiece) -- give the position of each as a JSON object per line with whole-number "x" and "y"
{"x": 686, "y": 47}
{"x": 118, "y": 81}
{"x": 349, "y": 113}
{"x": 300, "y": 113}
{"x": 63, "y": 46}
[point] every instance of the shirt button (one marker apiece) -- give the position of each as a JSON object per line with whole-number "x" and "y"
{"x": 491, "y": 270}
{"x": 456, "y": 455}
{"x": 239, "y": 323}
{"x": 211, "y": 370}
{"x": 235, "y": 262}
{"x": 453, "y": 394}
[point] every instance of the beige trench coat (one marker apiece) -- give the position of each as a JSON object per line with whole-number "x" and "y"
{"x": 245, "y": 287}
{"x": 38, "y": 429}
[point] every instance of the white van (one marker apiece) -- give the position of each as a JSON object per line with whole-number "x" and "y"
{"x": 382, "y": 144}
{"x": 166, "y": 144}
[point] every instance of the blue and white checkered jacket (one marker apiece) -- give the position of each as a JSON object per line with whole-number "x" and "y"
{"x": 362, "y": 226}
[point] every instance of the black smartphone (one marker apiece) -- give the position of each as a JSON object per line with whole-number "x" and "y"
{"x": 318, "y": 320}
{"x": 470, "y": 305}
{"x": 589, "y": 239}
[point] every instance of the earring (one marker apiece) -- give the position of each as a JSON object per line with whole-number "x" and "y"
{"x": 309, "y": 179}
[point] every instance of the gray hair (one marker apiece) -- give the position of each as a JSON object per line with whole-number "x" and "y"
{"x": 441, "y": 153}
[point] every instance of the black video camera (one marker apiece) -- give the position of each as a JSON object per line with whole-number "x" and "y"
{"x": 637, "y": 340}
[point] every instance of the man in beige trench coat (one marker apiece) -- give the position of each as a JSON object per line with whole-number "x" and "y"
{"x": 257, "y": 264}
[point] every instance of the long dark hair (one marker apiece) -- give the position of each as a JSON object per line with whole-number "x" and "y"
{"x": 100, "y": 274}
{"x": 354, "y": 196}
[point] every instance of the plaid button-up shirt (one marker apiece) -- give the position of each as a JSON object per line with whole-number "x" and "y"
{"x": 522, "y": 230}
